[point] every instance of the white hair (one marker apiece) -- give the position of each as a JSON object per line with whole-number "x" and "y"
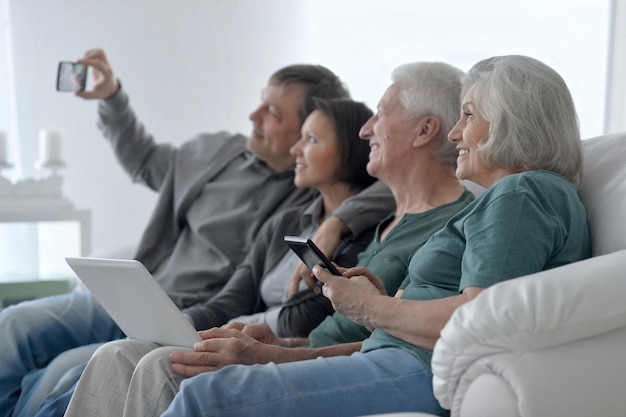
{"x": 533, "y": 122}
{"x": 432, "y": 89}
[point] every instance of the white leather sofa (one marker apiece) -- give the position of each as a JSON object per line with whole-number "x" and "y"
{"x": 553, "y": 343}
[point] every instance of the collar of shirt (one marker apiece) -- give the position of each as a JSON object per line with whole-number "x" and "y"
{"x": 251, "y": 159}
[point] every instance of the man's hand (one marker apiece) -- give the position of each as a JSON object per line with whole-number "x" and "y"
{"x": 220, "y": 347}
{"x": 105, "y": 84}
{"x": 259, "y": 331}
{"x": 352, "y": 294}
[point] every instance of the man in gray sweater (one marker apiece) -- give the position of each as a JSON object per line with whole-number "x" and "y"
{"x": 215, "y": 192}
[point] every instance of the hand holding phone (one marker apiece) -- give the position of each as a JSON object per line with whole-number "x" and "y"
{"x": 310, "y": 254}
{"x": 71, "y": 76}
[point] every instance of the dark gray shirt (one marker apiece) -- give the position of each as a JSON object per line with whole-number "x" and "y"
{"x": 219, "y": 228}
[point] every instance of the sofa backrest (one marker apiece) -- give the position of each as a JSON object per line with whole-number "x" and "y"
{"x": 603, "y": 191}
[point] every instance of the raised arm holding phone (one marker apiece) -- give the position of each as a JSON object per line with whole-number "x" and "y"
{"x": 183, "y": 245}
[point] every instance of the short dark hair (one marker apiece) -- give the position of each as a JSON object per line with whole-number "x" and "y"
{"x": 319, "y": 81}
{"x": 348, "y": 117}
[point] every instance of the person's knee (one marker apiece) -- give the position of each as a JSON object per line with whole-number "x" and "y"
{"x": 110, "y": 352}
{"x": 19, "y": 320}
{"x": 124, "y": 353}
{"x": 157, "y": 362}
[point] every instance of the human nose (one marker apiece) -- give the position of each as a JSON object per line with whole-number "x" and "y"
{"x": 367, "y": 130}
{"x": 254, "y": 116}
{"x": 456, "y": 133}
{"x": 296, "y": 149}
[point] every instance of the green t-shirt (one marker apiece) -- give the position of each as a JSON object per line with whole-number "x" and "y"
{"x": 389, "y": 260}
{"x": 525, "y": 223}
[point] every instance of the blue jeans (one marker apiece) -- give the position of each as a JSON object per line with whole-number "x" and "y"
{"x": 46, "y": 383}
{"x": 33, "y": 333}
{"x": 380, "y": 381}
{"x": 55, "y": 404}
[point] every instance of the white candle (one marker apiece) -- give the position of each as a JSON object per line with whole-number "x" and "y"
{"x": 3, "y": 148}
{"x": 50, "y": 146}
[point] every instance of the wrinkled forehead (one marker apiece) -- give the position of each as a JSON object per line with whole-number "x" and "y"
{"x": 391, "y": 96}
{"x": 284, "y": 91}
{"x": 468, "y": 96}
{"x": 285, "y": 102}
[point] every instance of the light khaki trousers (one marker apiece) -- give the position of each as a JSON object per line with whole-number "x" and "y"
{"x": 109, "y": 386}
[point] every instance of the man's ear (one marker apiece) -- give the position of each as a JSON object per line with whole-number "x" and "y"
{"x": 426, "y": 129}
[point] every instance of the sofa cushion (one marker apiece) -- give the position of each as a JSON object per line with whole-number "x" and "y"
{"x": 603, "y": 191}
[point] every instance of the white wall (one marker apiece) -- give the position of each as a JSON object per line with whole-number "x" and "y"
{"x": 199, "y": 65}
{"x": 365, "y": 39}
{"x": 189, "y": 66}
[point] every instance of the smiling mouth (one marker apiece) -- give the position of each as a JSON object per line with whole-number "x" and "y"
{"x": 256, "y": 132}
{"x": 463, "y": 152}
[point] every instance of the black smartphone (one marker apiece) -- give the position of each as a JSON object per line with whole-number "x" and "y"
{"x": 310, "y": 254}
{"x": 71, "y": 76}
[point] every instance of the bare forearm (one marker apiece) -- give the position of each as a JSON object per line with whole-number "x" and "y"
{"x": 293, "y": 342}
{"x": 283, "y": 355}
{"x": 421, "y": 320}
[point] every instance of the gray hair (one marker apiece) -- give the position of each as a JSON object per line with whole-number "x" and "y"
{"x": 533, "y": 122}
{"x": 432, "y": 89}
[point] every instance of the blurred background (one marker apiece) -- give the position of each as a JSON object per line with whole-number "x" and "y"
{"x": 199, "y": 65}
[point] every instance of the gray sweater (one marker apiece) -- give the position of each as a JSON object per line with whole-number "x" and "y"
{"x": 242, "y": 293}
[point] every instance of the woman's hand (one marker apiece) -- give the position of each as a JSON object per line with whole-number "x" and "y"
{"x": 300, "y": 273}
{"x": 327, "y": 238}
{"x": 105, "y": 84}
{"x": 354, "y": 294}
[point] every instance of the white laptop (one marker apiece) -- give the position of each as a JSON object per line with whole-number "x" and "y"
{"x": 134, "y": 299}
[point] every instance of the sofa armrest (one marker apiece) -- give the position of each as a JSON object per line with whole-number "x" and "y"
{"x": 528, "y": 315}
{"x": 494, "y": 390}
{"x": 581, "y": 378}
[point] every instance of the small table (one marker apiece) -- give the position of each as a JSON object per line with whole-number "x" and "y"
{"x": 39, "y": 211}
{"x": 42, "y": 210}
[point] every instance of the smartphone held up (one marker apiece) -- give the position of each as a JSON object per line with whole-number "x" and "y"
{"x": 309, "y": 253}
{"x": 71, "y": 76}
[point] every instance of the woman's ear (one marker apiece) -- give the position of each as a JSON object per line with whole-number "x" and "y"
{"x": 426, "y": 129}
